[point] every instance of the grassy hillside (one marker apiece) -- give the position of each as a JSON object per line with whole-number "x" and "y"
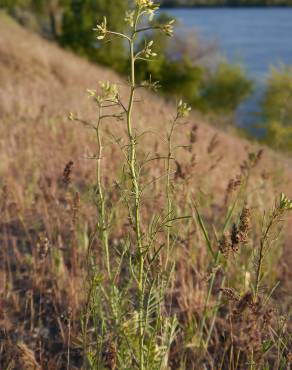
{"x": 46, "y": 222}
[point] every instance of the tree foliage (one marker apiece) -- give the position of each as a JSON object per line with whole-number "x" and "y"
{"x": 181, "y": 73}
{"x": 225, "y": 88}
{"x": 277, "y": 108}
{"x": 81, "y": 17}
{"x": 178, "y": 66}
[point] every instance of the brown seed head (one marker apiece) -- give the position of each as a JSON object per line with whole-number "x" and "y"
{"x": 268, "y": 316}
{"x": 179, "y": 173}
{"x": 244, "y": 225}
{"x": 26, "y": 357}
{"x": 213, "y": 144}
{"x": 193, "y": 134}
{"x": 109, "y": 355}
{"x": 225, "y": 245}
{"x": 245, "y": 219}
{"x": 230, "y": 294}
{"x": 235, "y": 238}
{"x": 244, "y": 302}
{"x": 232, "y": 186}
{"x": 43, "y": 247}
{"x": 67, "y": 173}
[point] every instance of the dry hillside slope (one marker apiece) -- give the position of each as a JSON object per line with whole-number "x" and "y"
{"x": 41, "y": 83}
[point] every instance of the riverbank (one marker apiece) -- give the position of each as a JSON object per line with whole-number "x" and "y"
{"x": 268, "y": 45}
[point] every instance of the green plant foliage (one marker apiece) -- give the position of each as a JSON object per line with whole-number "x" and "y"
{"x": 177, "y": 74}
{"x": 39, "y": 6}
{"x": 225, "y": 89}
{"x": 79, "y": 20}
{"x": 125, "y": 322}
{"x": 10, "y": 4}
{"x": 174, "y": 67}
{"x": 220, "y": 90}
{"x": 276, "y": 108}
{"x": 277, "y": 101}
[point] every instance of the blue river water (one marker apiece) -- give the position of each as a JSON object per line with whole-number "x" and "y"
{"x": 257, "y": 38}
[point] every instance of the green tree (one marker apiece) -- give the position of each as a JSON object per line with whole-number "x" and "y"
{"x": 47, "y": 14}
{"x": 225, "y": 89}
{"x": 81, "y": 17}
{"x": 276, "y": 108}
{"x": 11, "y": 4}
{"x": 175, "y": 66}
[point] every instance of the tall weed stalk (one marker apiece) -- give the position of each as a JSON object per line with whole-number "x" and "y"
{"x": 128, "y": 320}
{"x": 134, "y": 331}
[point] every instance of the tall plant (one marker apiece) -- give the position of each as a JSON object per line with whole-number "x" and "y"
{"x": 125, "y": 324}
{"x": 128, "y": 320}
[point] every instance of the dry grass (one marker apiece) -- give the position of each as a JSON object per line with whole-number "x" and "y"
{"x": 42, "y": 254}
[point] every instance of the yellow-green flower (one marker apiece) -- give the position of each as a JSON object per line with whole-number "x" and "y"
{"x": 168, "y": 28}
{"x": 183, "y": 109}
{"x": 129, "y": 17}
{"x": 101, "y": 29}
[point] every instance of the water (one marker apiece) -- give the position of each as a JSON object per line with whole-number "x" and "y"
{"x": 257, "y": 38}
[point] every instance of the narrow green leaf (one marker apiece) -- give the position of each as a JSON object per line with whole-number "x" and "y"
{"x": 204, "y": 230}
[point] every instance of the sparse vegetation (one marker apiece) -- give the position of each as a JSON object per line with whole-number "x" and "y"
{"x": 162, "y": 249}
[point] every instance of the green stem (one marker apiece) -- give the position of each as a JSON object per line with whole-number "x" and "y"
{"x": 136, "y": 191}
{"x": 203, "y": 322}
{"x": 261, "y": 252}
{"x": 99, "y": 189}
{"x": 168, "y": 190}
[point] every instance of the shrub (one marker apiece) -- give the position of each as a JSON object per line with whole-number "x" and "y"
{"x": 79, "y": 19}
{"x": 181, "y": 73}
{"x": 225, "y": 88}
{"x": 276, "y": 109}
{"x": 179, "y": 67}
